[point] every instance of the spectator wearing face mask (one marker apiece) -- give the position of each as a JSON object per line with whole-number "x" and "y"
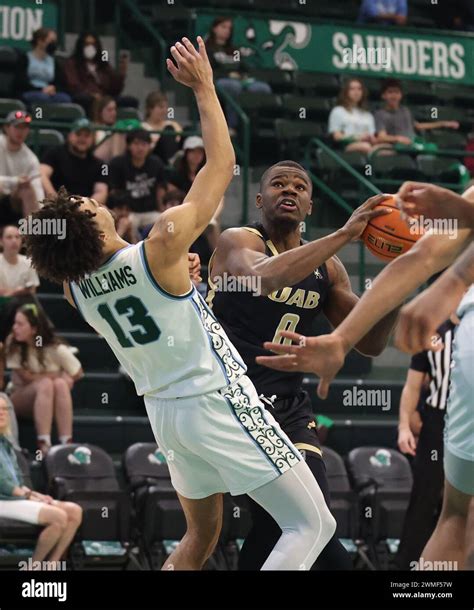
{"x": 41, "y": 78}
{"x": 74, "y": 166}
{"x": 89, "y": 74}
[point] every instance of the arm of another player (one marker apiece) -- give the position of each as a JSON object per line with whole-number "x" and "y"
{"x": 241, "y": 253}
{"x": 408, "y": 402}
{"x": 179, "y": 227}
{"x": 342, "y": 300}
{"x": 422, "y": 316}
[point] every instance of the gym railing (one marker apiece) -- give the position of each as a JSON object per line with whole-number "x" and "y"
{"x": 338, "y": 200}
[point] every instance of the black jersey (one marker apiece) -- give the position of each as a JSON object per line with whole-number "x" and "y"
{"x": 249, "y": 320}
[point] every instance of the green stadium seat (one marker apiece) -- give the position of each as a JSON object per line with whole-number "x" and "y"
{"x": 446, "y": 92}
{"x": 418, "y": 92}
{"x": 9, "y": 104}
{"x": 293, "y": 135}
{"x": 281, "y": 81}
{"x": 394, "y": 167}
{"x": 439, "y": 169}
{"x": 8, "y": 67}
{"x": 316, "y": 109}
{"x": 317, "y": 83}
{"x": 326, "y": 162}
{"x": 447, "y": 138}
{"x": 41, "y": 139}
{"x": 63, "y": 113}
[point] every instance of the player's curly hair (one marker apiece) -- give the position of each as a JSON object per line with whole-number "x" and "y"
{"x": 73, "y": 257}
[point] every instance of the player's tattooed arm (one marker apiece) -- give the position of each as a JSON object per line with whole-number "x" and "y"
{"x": 342, "y": 300}
{"x": 416, "y": 330}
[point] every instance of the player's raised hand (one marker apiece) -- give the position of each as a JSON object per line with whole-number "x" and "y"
{"x": 322, "y": 355}
{"x": 191, "y": 67}
{"x": 357, "y": 223}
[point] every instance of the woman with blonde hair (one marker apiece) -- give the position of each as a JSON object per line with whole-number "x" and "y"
{"x": 350, "y": 123}
{"x": 61, "y": 520}
{"x": 44, "y": 370}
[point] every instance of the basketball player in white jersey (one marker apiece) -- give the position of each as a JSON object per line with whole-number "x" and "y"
{"x": 205, "y": 413}
{"x": 453, "y": 538}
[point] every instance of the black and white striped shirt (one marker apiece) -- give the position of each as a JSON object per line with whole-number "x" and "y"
{"x": 438, "y": 367}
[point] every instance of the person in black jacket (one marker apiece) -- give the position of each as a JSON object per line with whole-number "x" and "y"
{"x": 40, "y": 78}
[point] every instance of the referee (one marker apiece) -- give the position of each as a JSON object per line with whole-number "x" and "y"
{"x": 426, "y": 389}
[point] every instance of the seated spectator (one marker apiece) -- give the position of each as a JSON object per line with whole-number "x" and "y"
{"x": 394, "y": 122}
{"x": 164, "y": 145}
{"x": 229, "y": 70}
{"x": 107, "y": 145}
{"x": 383, "y": 12}
{"x": 12, "y": 433}
{"x": 41, "y": 77}
{"x": 61, "y": 520}
{"x": 89, "y": 74}
{"x": 142, "y": 176}
{"x": 120, "y": 209}
{"x": 20, "y": 181}
{"x": 74, "y": 166}
{"x": 18, "y": 279}
{"x": 44, "y": 371}
{"x": 350, "y": 123}
{"x": 189, "y": 164}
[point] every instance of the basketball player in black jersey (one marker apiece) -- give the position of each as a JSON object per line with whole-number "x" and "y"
{"x": 295, "y": 282}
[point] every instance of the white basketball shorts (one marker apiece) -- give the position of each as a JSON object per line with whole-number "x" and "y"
{"x": 221, "y": 441}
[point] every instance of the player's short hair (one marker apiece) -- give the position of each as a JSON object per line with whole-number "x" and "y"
{"x": 73, "y": 257}
{"x": 287, "y": 163}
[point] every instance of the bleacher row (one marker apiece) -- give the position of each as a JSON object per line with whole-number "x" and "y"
{"x": 132, "y": 517}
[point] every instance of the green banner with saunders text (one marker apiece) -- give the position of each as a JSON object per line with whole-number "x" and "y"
{"x": 20, "y": 18}
{"x": 396, "y": 53}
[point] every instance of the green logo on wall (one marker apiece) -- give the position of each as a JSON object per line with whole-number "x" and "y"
{"x": 20, "y": 18}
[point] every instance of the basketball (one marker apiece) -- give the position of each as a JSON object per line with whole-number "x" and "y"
{"x": 389, "y": 236}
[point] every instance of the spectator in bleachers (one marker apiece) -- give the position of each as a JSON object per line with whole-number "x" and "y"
{"x": 229, "y": 69}
{"x": 44, "y": 370}
{"x": 142, "y": 176}
{"x": 89, "y": 74}
{"x": 20, "y": 181}
{"x": 383, "y": 12}
{"x": 41, "y": 77}
{"x": 350, "y": 123}
{"x": 74, "y": 165}
{"x": 120, "y": 208}
{"x": 105, "y": 114}
{"x": 12, "y": 433}
{"x": 61, "y": 520}
{"x": 394, "y": 122}
{"x": 18, "y": 279}
{"x": 164, "y": 145}
{"x": 188, "y": 164}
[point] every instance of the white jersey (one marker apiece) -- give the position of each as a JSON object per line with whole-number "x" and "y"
{"x": 467, "y": 302}
{"x": 171, "y": 347}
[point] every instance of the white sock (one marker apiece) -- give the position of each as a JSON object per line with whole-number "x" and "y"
{"x": 64, "y": 439}
{"x": 45, "y": 437}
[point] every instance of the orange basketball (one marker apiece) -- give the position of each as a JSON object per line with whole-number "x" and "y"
{"x": 389, "y": 236}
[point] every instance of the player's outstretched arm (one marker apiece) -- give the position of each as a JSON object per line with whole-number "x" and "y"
{"x": 180, "y": 226}
{"x": 419, "y": 319}
{"x": 241, "y": 253}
